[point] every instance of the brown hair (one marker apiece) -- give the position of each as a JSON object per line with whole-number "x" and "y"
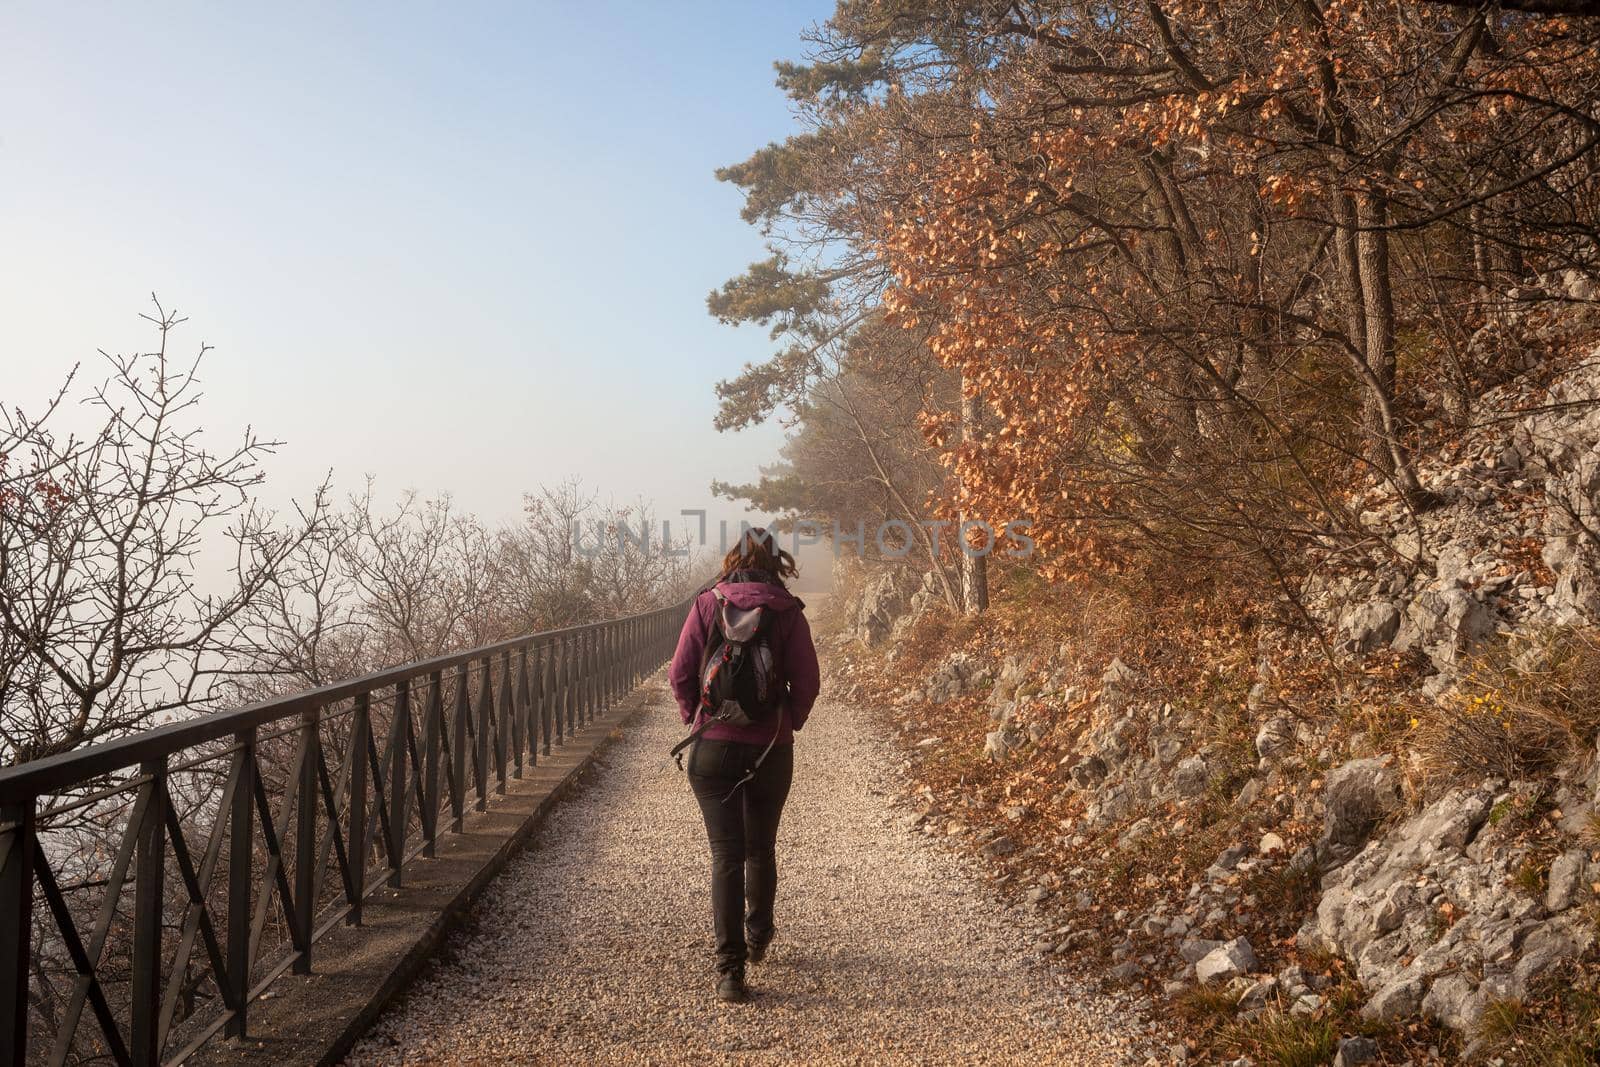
{"x": 758, "y": 550}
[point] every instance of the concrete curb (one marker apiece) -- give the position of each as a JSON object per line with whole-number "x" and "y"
{"x": 360, "y": 970}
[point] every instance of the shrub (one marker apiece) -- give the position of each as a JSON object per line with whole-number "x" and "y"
{"x": 1558, "y": 1027}
{"x": 1287, "y": 1040}
{"x": 1524, "y": 709}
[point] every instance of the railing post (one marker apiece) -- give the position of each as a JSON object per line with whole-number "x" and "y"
{"x": 608, "y": 664}
{"x": 241, "y": 864}
{"x": 432, "y": 727}
{"x": 577, "y": 680}
{"x": 502, "y": 725}
{"x": 150, "y": 877}
{"x": 580, "y": 647}
{"x": 547, "y": 691}
{"x": 519, "y": 710}
{"x": 597, "y": 674}
{"x": 530, "y": 675}
{"x": 558, "y": 686}
{"x": 570, "y": 685}
{"x": 485, "y": 698}
{"x": 590, "y": 655}
{"x": 397, "y": 780}
{"x": 360, "y": 741}
{"x": 618, "y": 651}
{"x": 17, "y": 844}
{"x": 458, "y": 750}
{"x": 600, "y": 699}
{"x": 305, "y": 837}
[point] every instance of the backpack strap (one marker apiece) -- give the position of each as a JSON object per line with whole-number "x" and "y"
{"x": 695, "y": 729}
{"x": 698, "y": 724}
{"x": 751, "y": 773}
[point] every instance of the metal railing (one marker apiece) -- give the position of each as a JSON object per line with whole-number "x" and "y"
{"x": 284, "y": 784}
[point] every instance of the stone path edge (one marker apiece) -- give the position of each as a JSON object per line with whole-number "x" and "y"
{"x": 359, "y": 971}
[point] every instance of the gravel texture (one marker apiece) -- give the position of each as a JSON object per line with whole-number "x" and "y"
{"x": 594, "y": 945}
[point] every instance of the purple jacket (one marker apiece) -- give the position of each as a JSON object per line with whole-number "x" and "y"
{"x": 796, "y": 659}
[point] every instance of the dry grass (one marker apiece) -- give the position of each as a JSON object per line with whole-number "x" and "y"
{"x": 1525, "y": 709}
{"x": 1559, "y": 1026}
{"x": 1285, "y": 1040}
{"x": 1206, "y": 1007}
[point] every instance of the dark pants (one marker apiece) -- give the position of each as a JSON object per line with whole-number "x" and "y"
{"x": 743, "y": 831}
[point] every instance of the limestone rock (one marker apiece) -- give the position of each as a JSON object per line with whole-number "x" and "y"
{"x": 882, "y": 599}
{"x": 1566, "y": 880}
{"x": 1360, "y": 794}
{"x": 1191, "y": 777}
{"x": 1088, "y": 773}
{"x": 1228, "y": 960}
{"x": 1116, "y": 685}
{"x": 1444, "y": 622}
{"x": 1395, "y": 1001}
{"x": 1369, "y": 627}
{"x": 998, "y": 744}
{"x": 1195, "y": 949}
{"x": 1354, "y": 1050}
{"x": 955, "y": 676}
{"x": 1276, "y": 737}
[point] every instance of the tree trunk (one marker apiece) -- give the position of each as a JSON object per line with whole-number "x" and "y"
{"x": 974, "y": 569}
{"x": 1384, "y": 448}
{"x": 1344, "y": 244}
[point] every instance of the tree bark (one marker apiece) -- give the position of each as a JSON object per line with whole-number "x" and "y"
{"x": 1384, "y": 448}
{"x": 974, "y": 569}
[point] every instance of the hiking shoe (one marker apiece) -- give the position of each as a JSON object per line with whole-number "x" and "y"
{"x": 756, "y": 951}
{"x": 731, "y": 988}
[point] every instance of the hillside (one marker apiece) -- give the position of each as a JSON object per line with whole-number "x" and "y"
{"x": 1357, "y": 819}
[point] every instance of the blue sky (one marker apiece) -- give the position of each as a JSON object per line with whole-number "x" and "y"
{"x": 458, "y": 247}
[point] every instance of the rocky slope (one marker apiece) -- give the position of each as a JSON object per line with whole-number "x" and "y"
{"x": 1394, "y": 871}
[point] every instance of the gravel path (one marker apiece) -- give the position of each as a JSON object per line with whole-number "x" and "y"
{"x": 594, "y": 945}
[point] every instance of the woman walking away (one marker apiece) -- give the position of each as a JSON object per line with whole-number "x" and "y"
{"x": 745, "y": 677}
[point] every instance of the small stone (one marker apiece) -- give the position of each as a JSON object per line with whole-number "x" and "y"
{"x": 1257, "y": 995}
{"x": 1305, "y": 1005}
{"x": 1088, "y": 773}
{"x": 1228, "y": 960}
{"x": 1397, "y": 1000}
{"x": 1124, "y": 972}
{"x": 1566, "y": 879}
{"x": 1354, "y": 1050}
{"x": 1249, "y": 794}
{"x": 999, "y": 846}
{"x": 1275, "y": 738}
{"x": 1197, "y": 948}
{"x": 1191, "y": 777}
{"x": 1270, "y": 842}
{"x": 1359, "y": 795}
{"x": 998, "y": 744}
{"x": 1230, "y": 857}
{"x": 1369, "y": 627}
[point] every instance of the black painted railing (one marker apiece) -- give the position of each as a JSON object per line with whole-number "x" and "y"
{"x": 306, "y": 804}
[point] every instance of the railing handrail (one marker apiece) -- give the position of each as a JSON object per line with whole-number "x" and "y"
{"x": 51, "y": 773}
{"x": 423, "y": 742}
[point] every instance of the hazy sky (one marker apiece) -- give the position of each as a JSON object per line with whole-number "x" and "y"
{"x": 459, "y": 247}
